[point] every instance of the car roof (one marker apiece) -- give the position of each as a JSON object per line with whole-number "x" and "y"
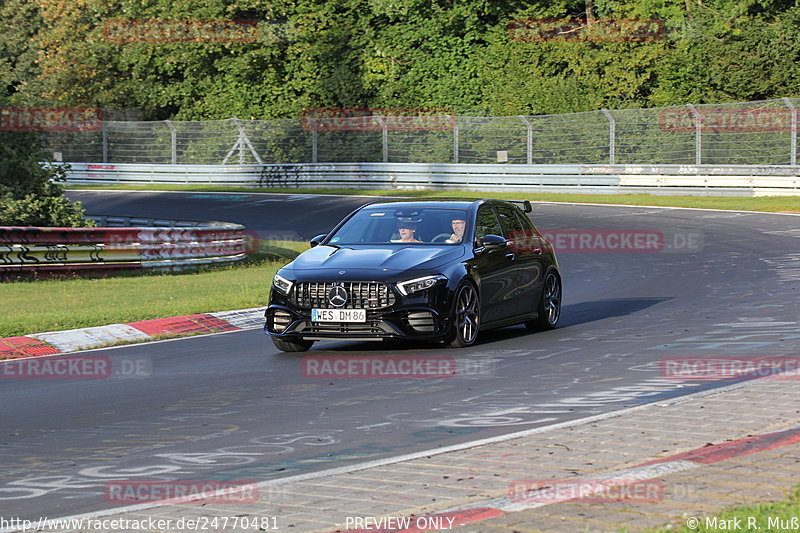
{"x": 459, "y": 203}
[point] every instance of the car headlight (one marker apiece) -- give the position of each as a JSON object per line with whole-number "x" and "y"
{"x": 282, "y": 284}
{"x": 415, "y": 285}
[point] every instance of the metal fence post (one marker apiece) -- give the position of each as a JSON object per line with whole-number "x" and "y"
{"x": 385, "y": 137}
{"x": 454, "y": 122}
{"x": 314, "y": 140}
{"x": 793, "y": 151}
{"x": 105, "y": 140}
{"x": 698, "y": 142}
{"x": 173, "y": 134}
{"x": 240, "y": 141}
{"x": 529, "y": 147}
{"x": 612, "y": 136}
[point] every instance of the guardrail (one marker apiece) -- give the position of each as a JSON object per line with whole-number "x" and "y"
{"x": 43, "y": 251}
{"x": 731, "y": 180}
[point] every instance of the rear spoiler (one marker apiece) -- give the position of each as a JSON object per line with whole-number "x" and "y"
{"x": 526, "y": 205}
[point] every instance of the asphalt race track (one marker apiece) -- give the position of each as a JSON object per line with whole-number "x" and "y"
{"x": 231, "y": 407}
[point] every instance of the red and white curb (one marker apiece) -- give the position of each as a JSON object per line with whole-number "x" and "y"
{"x": 74, "y": 340}
{"x": 658, "y": 468}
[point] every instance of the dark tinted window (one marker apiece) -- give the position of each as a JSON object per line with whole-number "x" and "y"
{"x": 486, "y": 223}
{"x": 375, "y": 225}
{"x": 511, "y": 224}
{"x": 526, "y": 222}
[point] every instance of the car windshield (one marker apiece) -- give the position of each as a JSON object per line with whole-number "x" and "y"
{"x": 403, "y": 225}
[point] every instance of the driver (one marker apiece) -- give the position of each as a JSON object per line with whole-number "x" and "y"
{"x": 459, "y": 224}
{"x": 407, "y": 231}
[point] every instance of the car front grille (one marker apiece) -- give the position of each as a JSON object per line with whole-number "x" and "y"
{"x": 372, "y": 327}
{"x": 360, "y": 295}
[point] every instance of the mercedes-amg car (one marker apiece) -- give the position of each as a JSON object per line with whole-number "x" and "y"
{"x": 423, "y": 270}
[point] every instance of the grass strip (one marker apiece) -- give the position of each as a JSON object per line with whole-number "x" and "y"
{"x": 741, "y": 203}
{"x": 763, "y": 517}
{"x": 67, "y": 303}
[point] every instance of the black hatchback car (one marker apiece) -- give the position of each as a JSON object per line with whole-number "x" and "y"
{"x": 422, "y": 270}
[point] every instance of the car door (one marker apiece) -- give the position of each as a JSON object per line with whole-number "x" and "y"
{"x": 493, "y": 268}
{"x": 525, "y": 252}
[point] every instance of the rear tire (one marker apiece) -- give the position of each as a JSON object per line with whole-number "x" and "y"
{"x": 549, "y": 307}
{"x": 288, "y": 345}
{"x": 466, "y": 317}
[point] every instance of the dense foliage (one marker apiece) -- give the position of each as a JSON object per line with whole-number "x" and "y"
{"x": 32, "y": 194}
{"x": 449, "y": 54}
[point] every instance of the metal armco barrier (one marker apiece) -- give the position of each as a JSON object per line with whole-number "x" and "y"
{"x": 731, "y": 180}
{"x": 25, "y": 250}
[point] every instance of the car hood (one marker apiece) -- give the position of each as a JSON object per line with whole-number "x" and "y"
{"x": 396, "y": 258}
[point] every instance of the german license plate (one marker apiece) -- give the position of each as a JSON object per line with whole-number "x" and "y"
{"x": 338, "y": 315}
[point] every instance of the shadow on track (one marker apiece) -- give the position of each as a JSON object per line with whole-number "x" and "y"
{"x": 583, "y": 312}
{"x": 571, "y": 315}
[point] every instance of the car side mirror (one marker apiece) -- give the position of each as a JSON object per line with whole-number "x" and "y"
{"x": 318, "y": 239}
{"x": 492, "y": 242}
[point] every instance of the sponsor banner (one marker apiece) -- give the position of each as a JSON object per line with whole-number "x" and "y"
{"x": 378, "y": 367}
{"x": 723, "y": 368}
{"x": 50, "y": 119}
{"x": 726, "y": 119}
{"x": 366, "y": 119}
{"x": 180, "y": 31}
{"x": 624, "y": 490}
{"x": 174, "y": 492}
{"x": 579, "y": 30}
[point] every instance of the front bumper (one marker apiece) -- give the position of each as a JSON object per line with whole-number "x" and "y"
{"x": 422, "y": 316}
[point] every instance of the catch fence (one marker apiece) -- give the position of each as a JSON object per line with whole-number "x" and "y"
{"x": 747, "y": 133}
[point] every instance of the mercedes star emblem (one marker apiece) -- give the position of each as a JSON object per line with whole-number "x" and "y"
{"x": 337, "y": 296}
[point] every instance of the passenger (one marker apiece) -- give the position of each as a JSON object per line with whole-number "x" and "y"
{"x": 459, "y": 224}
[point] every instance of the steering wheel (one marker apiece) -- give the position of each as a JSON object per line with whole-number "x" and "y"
{"x": 442, "y": 237}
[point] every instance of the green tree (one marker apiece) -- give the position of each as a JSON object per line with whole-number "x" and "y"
{"x": 32, "y": 194}
{"x": 400, "y": 53}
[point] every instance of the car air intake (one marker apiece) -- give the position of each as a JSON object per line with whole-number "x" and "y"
{"x": 421, "y": 321}
{"x": 280, "y": 320}
{"x": 360, "y": 295}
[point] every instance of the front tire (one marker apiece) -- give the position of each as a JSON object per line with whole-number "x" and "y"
{"x": 549, "y": 307}
{"x": 466, "y": 316}
{"x": 288, "y": 345}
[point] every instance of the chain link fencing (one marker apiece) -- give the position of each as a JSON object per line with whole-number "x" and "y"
{"x": 747, "y": 133}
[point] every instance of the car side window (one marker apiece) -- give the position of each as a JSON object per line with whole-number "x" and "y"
{"x": 526, "y": 222}
{"x": 512, "y": 226}
{"x": 486, "y": 223}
